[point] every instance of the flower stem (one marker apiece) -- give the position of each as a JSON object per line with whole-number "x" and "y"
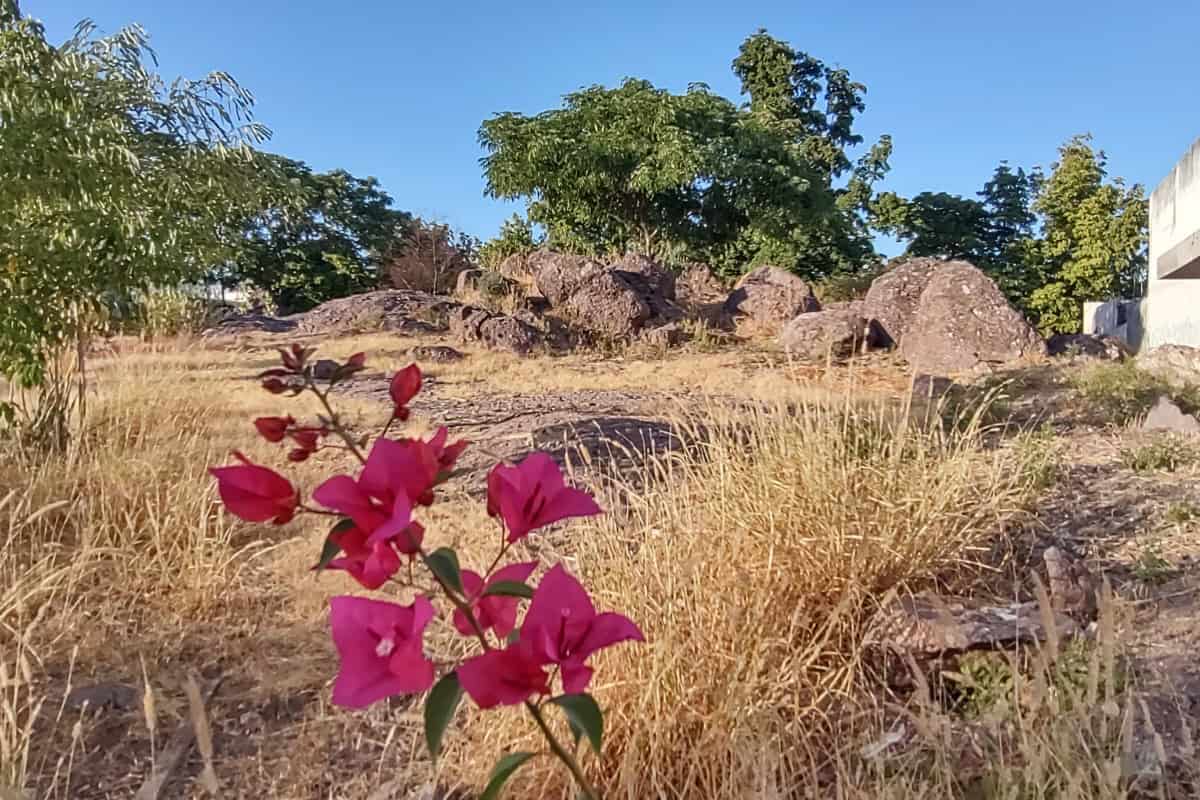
{"x": 561, "y": 752}
{"x": 334, "y": 422}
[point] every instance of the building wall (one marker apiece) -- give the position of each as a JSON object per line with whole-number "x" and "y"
{"x": 1172, "y": 314}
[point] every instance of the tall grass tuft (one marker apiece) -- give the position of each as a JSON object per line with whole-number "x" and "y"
{"x": 753, "y": 562}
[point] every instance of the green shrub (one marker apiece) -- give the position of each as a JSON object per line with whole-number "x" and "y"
{"x": 493, "y": 285}
{"x": 1164, "y": 452}
{"x": 155, "y": 313}
{"x": 845, "y": 286}
{"x": 1150, "y": 566}
{"x": 1122, "y": 392}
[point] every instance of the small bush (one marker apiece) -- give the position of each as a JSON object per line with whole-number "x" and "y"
{"x": 494, "y": 286}
{"x": 1180, "y": 513}
{"x": 1122, "y": 392}
{"x": 1150, "y": 566}
{"x": 847, "y": 285}
{"x": 1040, "y": 453}
{"x": 1163, "y": 453}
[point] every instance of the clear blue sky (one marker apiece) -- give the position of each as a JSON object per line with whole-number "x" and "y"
{"x": 397, "y": 89}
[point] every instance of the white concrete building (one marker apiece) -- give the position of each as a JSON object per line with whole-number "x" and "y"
{"x": 1171, "y": 311}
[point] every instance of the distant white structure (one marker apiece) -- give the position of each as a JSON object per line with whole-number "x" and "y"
{"x": 1120, "y": 318}
{"x": 1171, "y": 312}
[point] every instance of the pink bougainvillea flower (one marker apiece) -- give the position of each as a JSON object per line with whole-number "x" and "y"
{"x": 370, "y": 565}
{"x": 407, "y": 466}
{"x": 344, "y": 495}
{"x": 273, "y": 429}
{"x": 357, "y": 361}
{"x": 563, "y": 628}
{"x": 256, "y": 493}
{"x": 494, "y": 611}
{"x": 446, "y": 454}
{"x": 405, "y": 385}
{"x": 504, "y": 677}
{"x": 381, "y": 649}
{"x": 533, "y": 494}
{"x": 397, "y": 527}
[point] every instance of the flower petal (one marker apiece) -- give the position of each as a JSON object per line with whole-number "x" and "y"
{"x": 606, "y": 630}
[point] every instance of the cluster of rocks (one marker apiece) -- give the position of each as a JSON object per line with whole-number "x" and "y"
{"x": 942, "y": 316}
{"x": 615, "y": 301}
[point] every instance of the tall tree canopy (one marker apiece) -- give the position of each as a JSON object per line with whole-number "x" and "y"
{"x": 328, "y": 243}
{"x": 1094, "y": 240}
{"x": 110, "y": 179}
{"x": 692, "y": 175}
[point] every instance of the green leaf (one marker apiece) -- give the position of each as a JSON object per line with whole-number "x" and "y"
{"x": 509, "y": 589}
{"x": 444, "y": 564}
{"x": 331, "y": 548}
{"x": 584, "y": 715}
{"x": 440, "y": 705}
{"x": 503, "y": 770}
{"x": 513, "y": 637}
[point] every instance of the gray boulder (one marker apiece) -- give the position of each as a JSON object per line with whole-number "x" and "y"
{"x": 771, "y": 297}
{"x": 607, "y": 305}
{"x": 963, "y": 321}
{"x": 821, "y": 334}
{"x": 894, "y": 296}
{"x": 494, "y": 331}
{"x": 1175, "y": 363}
{"x": 1167, "y": 416}
{"x": 559, "y": 275}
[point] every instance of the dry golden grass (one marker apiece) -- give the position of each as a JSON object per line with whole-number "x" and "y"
{"x": 751, "y": 563}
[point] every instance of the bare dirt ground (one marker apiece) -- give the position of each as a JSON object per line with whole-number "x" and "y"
{"x": 258, "y": 629}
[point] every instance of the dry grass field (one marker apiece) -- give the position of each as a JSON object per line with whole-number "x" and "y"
{"x": 753, "y": 557}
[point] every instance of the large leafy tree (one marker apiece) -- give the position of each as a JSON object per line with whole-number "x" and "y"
{"x": 326, "y": 243}
{"x": 1094, "y": 237}
{"x": 934, "y": 223}
{"x": 110, "y": 179}
{"x": 692, "y": 176}
{"x": 814, "y": 107}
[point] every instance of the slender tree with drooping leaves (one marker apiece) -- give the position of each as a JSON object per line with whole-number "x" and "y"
{"x": 110, "y": 179}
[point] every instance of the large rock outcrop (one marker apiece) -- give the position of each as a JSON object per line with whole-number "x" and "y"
{"x": 964, "y": 321}
{"x": 770, "y": 297}
{"x": 616, "y": 301}
{"x": 607, "y": 305}
{"x": 894, "y": 296}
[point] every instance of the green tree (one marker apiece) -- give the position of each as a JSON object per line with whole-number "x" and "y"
{"x": 110, "y": 180}
{"x": 1094, "y": 237}
{"x": 692, "y": 176}
{"x": 1008, "y": 235}
{"x": 934, "y": 224}
{"x": 814, "y": 108}
{"x": 328, "y": 244}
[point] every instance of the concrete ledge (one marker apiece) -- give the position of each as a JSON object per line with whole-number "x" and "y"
{"x": 1181, "y": 261}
